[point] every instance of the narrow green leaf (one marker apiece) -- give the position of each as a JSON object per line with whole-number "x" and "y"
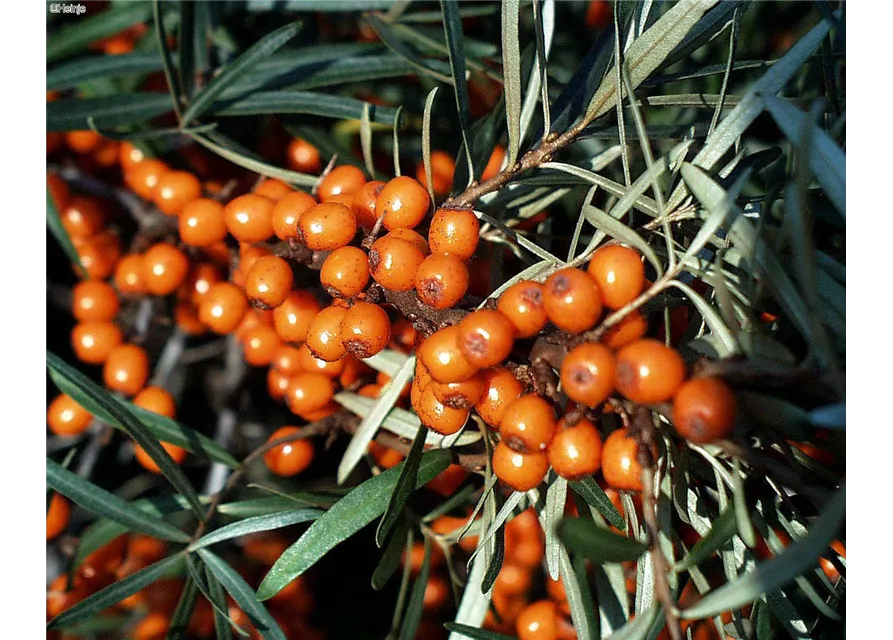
{"x": 511, "y": 70}
{"x": 54, "y": 224}
{"x": 436, "y": 69}
{"x": 721, "y": 531}
{"x": 595, "y": 497}
{"x": 780, "y": 570}
{"x": 277, "y": 504}
{"x": 556, "y": 496}
{"x": 185, "y": 607}
{"x": 106, "y": 504}
{"x": 464, "y": 631}
{"x": 287, "y": 101}
{"x": 243, "y": 595}
{"x": 598, "y": 544}
{"x": 114, "y": 593}
{"x": 79, "y": 34}
{"x": 186, "y": 42}
{"x": 105, "y": 112}
{"x": 68, "y": 75}
{"x": 712, "y": 318}
{"x": 398, "y": 122}
{"x": 405, "y": 485}
{"x": 91, "y": 396}
{"x": 256, "y": 524}
{"x": 371, "y": 423}
{"x": 641, "y": 202}
{"x": 366, "y": 140}
{"x": 637, "y": 628}
{"x": 387, "y": 361}
{"x": 452, "y": 28}
{"x": 426, "y": 141}
{"x": 390, "y": 558}
{"x": 171, "y": 75}
{"x": 579, "y": 595}
{"x": 255, "y": 165}
{"x": 240, "y": 67}
{"x": 742, "y": 511}
{"x": 347, "y": 516}
{"x": 223, "y": 625}
{"x": 538, "y": 83}
{"x": 414, "y": 607}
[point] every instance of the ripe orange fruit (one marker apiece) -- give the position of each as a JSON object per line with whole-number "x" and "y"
{"x": 528, "y": 424}
{"x": 268, "y": 283}
{"x": 327, "y": 226}
{"x": 346, "y": 179}
{"x": 164, "y": 268}
{"x": 65, "y": 417}
{"x": 365, "y": 329}
{"x": 126, "y": 369}
{"x": 575, "y": 452}
{"x": 176, "y": 189}
{"x": 523, "y": 305}
{"x": 92, "y": 342}
{"x": 249, "y": 218}
{"x": 620, "y": 463}
{"x": 649, "y": 372}
{"x": 587, "y": 374}
{"x": 520, "y": 471}
{"x": 704, "y": 410}
{"x": 393, "y": 263}
{"x": 619, "y": 273}
{"x": 441, "y": 356}
{"x": 291, "y": 458}
{"x": 501, "y": 388}
{"x": 223, "y": 308}
{"x": 486, "y": 338}
{"x": 57, "y": 516}
{"x": 572, "y": 300}
{"x": 202, "y": 222}
{"x": 441, "y": 280}
{"x": 94, "y": 301}
{"x": 402, "y": 203}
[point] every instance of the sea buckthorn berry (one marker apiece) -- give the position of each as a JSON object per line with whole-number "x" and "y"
{"x": 156, "y": 400}
{"x": 649, "y": 372}
{"x": 303, "y": 156}
{"x": 199, "y": 281}
{"x": 501, "y": 388}
{"x": 345, "y": 272}
{"x": 143, "y": 177}
{"x": 587, "y": 374}
{"x": 520, "y": 471}
{"x": 460, "y": 395}
{"x": 249, "y": 218}
{"x": 513, "y": 580}
{"x": 437, "y": 594}
{"x": 93, "y": 341}
{"x": 362, "y": 203}
{"x": 365, "y": 329}
{"x": 575, "y": 451}
{"x": 94, "y": 301}
{"x": 324, "y": 334}
{"x": 269, "y": 282}
{"x": 442, "y": 169}
{"x": 620, "y": 462}
{"x": 442, "y": 358}
{"x": 126, "y": 369}
{"x": 454, "y": 231}
{"x": 528, "y": 424}
{"x": 164, "y": 268}
{"x": 327, "y": 226}
{"x": 248, "y": 255}
{"x": 129, "y": 155}
{"x": 329, "y": 409}
{"x": 82, "y": 217}
{"x": 129, "y": 275}
{"x": 177, "y": 454}
{"x": 57, "y": 516}
{"x": 260, "y": 344}
{"x": 187, "y": 320}
{"x": 619, "y": 273}
{"x": 287, "y": 359}
{"x": 175, "y": 190}
{"x": 201, "y": 222}
{"x": 631, "y": 327}
{"x": 346, "y": 179}
{"x": 65, "y": 417}
{"x": 308, "y": 392}
{"x": 402, "y": 203}
{"x": 309, "y": 363}
{"x": 272, "y": 189}
{"x": 441, "y": 280}
{"x": 277, "y": 383}
{"x": 539, "y": 621}
{"x": 572, "y": 300}
{"x": 290, "y": 458}
{"x": 412, "y": 236}
{"x": 83, "y": 141}
{"x": 292, "y": 319}
{"x": 437, "y": 416}
{"x": 223, "y": 308}
{"x": 494, "y": 164}
{"x": 393, "y": 263}
{"x": 448, "y": 481}
{"x": 486, "y": 338}
{"x": 704, "y": 410}
{"x": 59, "y": 191}
{"x": 99, "y": 254}
{"x": 522, "y": 304}
{"x": 288, "y": 211}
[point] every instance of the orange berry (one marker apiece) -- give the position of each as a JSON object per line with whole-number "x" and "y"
{"x": 129, "y": 155}
{"x": 649, "y": 372}
{"x": 402, "y": 203}
{"x": 448, "y": 481}
{"x": 82, "y": 217}
{"x": 290, "y": 458}
{"x": 345, "y": 272}
{"x": 598, "y": 14}
{"x": 501, "y": 388}
{"x": 327, "y": 226}
{"x": 309, "y": 392}
{"x": 575, "y": 451}
{"x": 441, "y": 280}
{"x": 619, "y": 273}
{"x": 201, "y": 278}
{"x": 99, "y": 254}
{"x": 287, "y": 359}
{"x": 143, "y": 177}
{"x": 126, "y": 369}
{"x": 292, "y": 319}
{"x": 65, "y": 417}
{"x": 632, "y": 327}
{"x": 346, "y": 179}
{"x": 83, "y": 141}
{"x": 520, "y": 471}
{"x": 248, "y": 255}
{"x": 269, "y": 282}
{"x": 176, "y": 189}
{"x": 362, "y": 203}
{"x": 437, "y": 594}
{"x": 223, "y": 307}
{"x": 704, "y": 410}
{"x": 59, "y": 191}
{"x": 513, "y": 580}
{"x": 57, "y": 516}
{"x": 437, "y": 416}
{"x": 393, "y": 263}
{"x": 538, "y": 621}
{"x": 365, "y": 329}
{"x": 94, "y": 301}
{"x": 620, "y": 463}
{"x": 459, "y": 395}
{"x": 528, "y": 424}
{"x": 494, "y": 164}
{"x": 93, "y": 341}
{"x": 309, "y": 363}
{"x": 129, "y": 275}
{"x": 260, "y": 344}
{"x": 454, "y": 231}
{"x": 441, "y": 356}
{"x": 288, "y": 211}
{"x": 522, "y": 304}
{"x": 156, "y": 400}
{"x": 324, "y": 334}
{"x": 486, "y": 338}
{"x": 587, "y": 374}
{"x": 411, "y": 236}
{"x": 442, "y": 169}
{"x": 201, "y": 222}
{"x": 249, "y": 218}
{"x": 572, "y": 300}
{"x": 164, "y": 268}
{"x": 303, "y": 156}
{"x": 272, "y": 188}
